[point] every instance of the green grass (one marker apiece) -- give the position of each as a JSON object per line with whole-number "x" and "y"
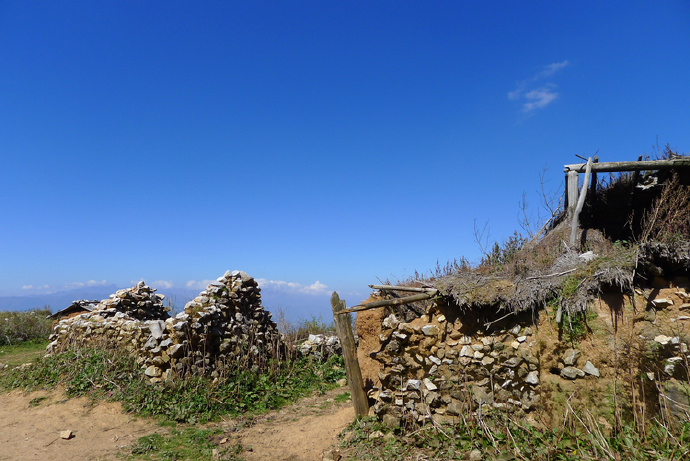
{"x": 106, "y": 374}
{"x": 189, "y": 443}
{"x": 18, "y": 354}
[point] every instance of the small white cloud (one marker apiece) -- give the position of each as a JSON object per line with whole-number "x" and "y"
{"x": 166, "y": 284}
{"x": 316, "y": 288}
{"x": 539, "y": 98}
{"x": 31, "y": 287}
{"x": 551, "y": 69}
{"x": 533, "y": 92}
{"x": 198, "y": 284}
{"x": 90, "y": 283}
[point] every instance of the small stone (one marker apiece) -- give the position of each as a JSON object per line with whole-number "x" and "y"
{"x": 430, "y": 330}
{"x": 475, "y": 455}
{"x": 515, "y": 330}
{"x": 66, "y": 435}
{"x": 533, "y": 378}
{"x": 429, "y": 385}
{"x": 466, "y": 351}
{"x": 661, "y": 303}
{"x": 413, "y": 385}
{"x": 515, "y": 345}
{"x": 521, "y": 339}
{"x": 441, "y": 318}
{"x": 488, "y": 361}
{"x": 590, "y": 369}
{"x": 342, "y": 382}
{"x": 572, "y": 373}
{"x": 153, "y": 372}
{"x": 376, "y": 435}
{"x": 662, "y": 339}
{"x": 478, "y": 355}
{"x": 570, "y": 357}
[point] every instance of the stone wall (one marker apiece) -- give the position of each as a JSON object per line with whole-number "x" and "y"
{"x": 224, "y": 327}
{"x": 449, "y": 361}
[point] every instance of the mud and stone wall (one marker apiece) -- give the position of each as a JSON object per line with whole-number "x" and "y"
{"x": 449, "y": 362}
{"x": 224, "y": 327}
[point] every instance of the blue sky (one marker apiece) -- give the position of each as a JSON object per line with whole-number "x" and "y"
{"x": 318, "y": 145}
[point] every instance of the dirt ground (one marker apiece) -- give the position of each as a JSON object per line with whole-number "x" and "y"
{"x": 30, "y": 426}
{"x": 301, "y": 432}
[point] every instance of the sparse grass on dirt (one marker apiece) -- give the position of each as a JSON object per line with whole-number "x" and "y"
{"x": 508, "y": 439}
{"x": 26, "y": 352}
{"x": 102, "y": 373}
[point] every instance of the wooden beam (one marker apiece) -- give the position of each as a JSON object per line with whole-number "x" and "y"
{"x": 390, "y": 302}
{"x": 402, "y": 288}
{"x": 343, "y": 326}
{"x": 630, "y": 166}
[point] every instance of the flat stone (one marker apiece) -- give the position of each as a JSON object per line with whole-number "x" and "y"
{"x": 661, "y": 303}
{"x": 429, "y": 385}
{"x": 533, "y": 378}
{"x": 153, "y": 372}
{"x": 570, "y": 357}
{"x": 662, "y": 339}
{"x": 430, "y": 330}
{"x": 413, "y": 385}
{"x": 572, "y": 373}
{"x": 488, "y": 361}
{"x": 513, "y": 362}
{"x": 590, "y": 369}
{"x": 66, "y": 435}
{"x": 466, "y": 351}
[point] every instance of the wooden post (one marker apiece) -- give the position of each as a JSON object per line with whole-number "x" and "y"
{"x": 571, "y": 186}
{"x": 580, "y": 203}
{"x": 593, "y": 189}
{"x": 347, "y": 341}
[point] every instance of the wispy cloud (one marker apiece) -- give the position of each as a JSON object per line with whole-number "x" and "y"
{"x": 90, "y": 283}
{"x": 31, "y": 287}
{"x": 535, "y": 92}
{"x": 166, "y": 284}
{"x": 198, "y": 284}
{"x": 316, "y": 288}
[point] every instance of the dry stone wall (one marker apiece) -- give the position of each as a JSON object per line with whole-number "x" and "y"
{"x": 223, "y": 328}
{"x": 447, "y": 362}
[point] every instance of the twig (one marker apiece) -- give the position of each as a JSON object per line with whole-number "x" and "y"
{"x": 551, "y": 275}
{"x": 498, "y": 320}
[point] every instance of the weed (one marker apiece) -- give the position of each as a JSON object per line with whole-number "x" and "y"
{"x": 19, "y": 327}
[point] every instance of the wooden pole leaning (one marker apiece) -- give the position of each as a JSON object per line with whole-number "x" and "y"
{"x": 347, "y": 341}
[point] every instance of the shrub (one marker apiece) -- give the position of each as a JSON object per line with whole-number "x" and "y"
{"x": 17, "y": 327}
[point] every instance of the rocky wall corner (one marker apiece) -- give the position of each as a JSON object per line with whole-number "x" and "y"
{"x": 223, "y": 328}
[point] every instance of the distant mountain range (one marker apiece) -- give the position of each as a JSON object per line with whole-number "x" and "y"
{"x": 295, "y": 306}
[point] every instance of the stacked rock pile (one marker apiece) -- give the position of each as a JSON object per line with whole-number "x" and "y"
{"x": 139, "y": 302}
{"x": 320, "y": 347}
{"x": 224, "y": 327}
{"x": 431, "y": 367}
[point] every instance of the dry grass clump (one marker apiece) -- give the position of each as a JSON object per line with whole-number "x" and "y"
{"x": 17, "y": 327}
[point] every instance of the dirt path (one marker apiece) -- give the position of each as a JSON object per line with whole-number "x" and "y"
{"x": 30, "y": 426}
{"x": 303, "y": 431}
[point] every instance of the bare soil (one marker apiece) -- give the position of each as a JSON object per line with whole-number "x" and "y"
{"x": 304, "y": 431}
{"x": 31, "y": 423}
